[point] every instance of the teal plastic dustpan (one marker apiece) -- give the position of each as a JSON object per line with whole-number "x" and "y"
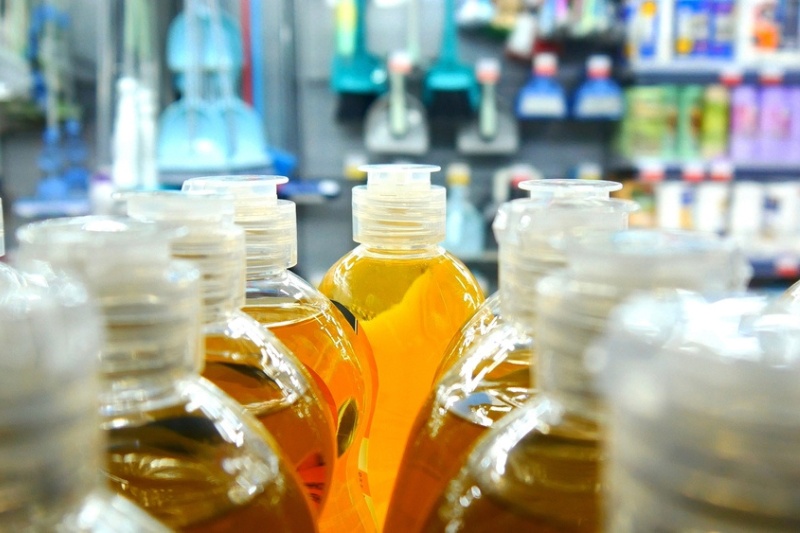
{"x": 450, "y": 87}
{"x": 246, "y": 142}
{"x": 178, "y": 51}
{"x": 191, "y": 134}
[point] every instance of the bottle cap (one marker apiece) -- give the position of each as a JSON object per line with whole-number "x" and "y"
{"x": 527, "y": 233}
{"x": 211, "y": 241}
{"x": 708, "y": 386}
{"x": 566, "y": 188}
{"x": 458, "y": 174}
{"x": 598, "y": 66}
{"x": 487, "y": 70}
{"x": 149, "y": 302}
{"x": 399, "y": 207}
{"x": 49, "y": 383}
{"x": 545, "y": 64}
{"x": 269, "y": 223}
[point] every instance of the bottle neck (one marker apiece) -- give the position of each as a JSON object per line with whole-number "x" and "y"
{"x": 259, "y": 270}
{"x": 125, "y": 393}
{"x": 398, "y": 251}
{"x": 458, "y": 192}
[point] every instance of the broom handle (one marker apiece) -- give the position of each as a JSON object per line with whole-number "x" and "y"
{"x": 449, "y": 49}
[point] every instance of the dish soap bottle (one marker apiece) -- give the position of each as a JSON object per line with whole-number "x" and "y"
{"x": 409, "y": 296}
{"x": 242, "y": 357}
{"x": 465, "y": 232}
{"x": 52, "y": 443}
{"x": 177, "y": 445}
{"x": 493, "y": 377}
{"x": 539, "y": 468}
{"x": 339, "y": 359}
{"x": 489, "y": 316}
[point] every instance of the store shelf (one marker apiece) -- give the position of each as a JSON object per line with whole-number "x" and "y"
{"x": 742, "y": 171}
{"x": 701, "y": 71}
{"x": 31, "y": 208}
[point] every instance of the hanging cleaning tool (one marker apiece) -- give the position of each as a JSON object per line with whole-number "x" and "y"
{"x": 246, "y": 146}
{"x": 191, "y": 137}
{"x": 494, "y": 131}
{"x": 450, "y": 89}
{"x": 396, "y": 123}
{"x": 542, "y": 97}
{"x": 599, "y": 97}
{"x": 357, "y": 76}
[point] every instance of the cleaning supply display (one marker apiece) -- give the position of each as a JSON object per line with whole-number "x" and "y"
{"x": 494, "y": 130}
{"x": 542, "y": 96}
{"x": 599, "y": 96}
{"x": 357, "y": 76}
{"x": 177, "y": 445}
{"x": 396, "y": 123}
{"x": 698, "y": 389}
{"x": 52, "y": 444}
{"x": 339, "y": 358}
{"x": 450, "y": 89}
{"x": 540, "y": 467}
{"x": 492, "y": 378}
{"x": 409, "y": 297}
{"x": 465, "y": 232}
{"x": 242, "y": 358}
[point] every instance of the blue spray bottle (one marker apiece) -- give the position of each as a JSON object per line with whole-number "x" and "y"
{"x": 542, "y": 96}
{"x": 599, "y": 96}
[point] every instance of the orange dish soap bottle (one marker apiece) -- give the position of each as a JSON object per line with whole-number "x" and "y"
{"x": 493, "y": 377}
{"x": 241, "y": 357}
{"x": 409, "y": 296}
{"x": 177, "y": 445}
{"x": 540, "y": 468}
{"x": 51, "y": 445}
{"x": 311, "y": 326}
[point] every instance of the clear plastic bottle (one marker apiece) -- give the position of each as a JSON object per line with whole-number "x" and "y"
{"x": 465, "y": 229}
{"x": 308, "y": 323}
{"x": 177, "y": 445}
{"x": 493, "y": 376}
{"x": 51, "y": 445}
{"x": 489, "y": 316}
{"x": 409, "y": 296}
{"x": 242, "y": 357}
{"x": 703, "y": 422}
{"x": 539, "y": 468}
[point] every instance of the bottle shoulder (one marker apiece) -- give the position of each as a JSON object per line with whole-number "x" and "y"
{"x": 284, "y": 289}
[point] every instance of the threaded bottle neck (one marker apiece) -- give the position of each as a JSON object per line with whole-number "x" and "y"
{"x": 398, "y": 207}
{"x": 573, "y": 305}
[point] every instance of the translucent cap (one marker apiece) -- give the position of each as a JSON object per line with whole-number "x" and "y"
{"x": 565, "y": 188}
{"x": 51, "y": 439}
{"x": 528, "y": 229}
{"x": 399, "y": 207}
{"x": 211, "y": 241}
{"x": 149, "y": 302}
{"x": 708, "y": 386}
{"x": 269, "y": 223}
{"x": 659, "y": 258}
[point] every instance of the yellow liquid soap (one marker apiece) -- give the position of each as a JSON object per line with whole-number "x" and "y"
{"x": 484, "y": 386}
{"x": 409, "y": 307}
{"x": 194, "y": 470}
{"x": 342, "y": 362}
{"x": 299, "y": 420}
{"x": 534, "y": 472}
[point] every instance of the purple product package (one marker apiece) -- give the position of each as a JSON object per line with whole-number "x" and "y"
{"x": 773, "y": 125}
{"x": 744, "y": 124}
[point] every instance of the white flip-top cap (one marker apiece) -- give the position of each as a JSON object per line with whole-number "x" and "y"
{"x": 270, "y": 224}
{"x": 211, "y": 241}
{"x": 149, "y": 302}
{"x": 399, "y": 207}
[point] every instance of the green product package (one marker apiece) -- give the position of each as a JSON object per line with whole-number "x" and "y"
{"x": 714, "y": 132}
{"x": 690, "y": 115}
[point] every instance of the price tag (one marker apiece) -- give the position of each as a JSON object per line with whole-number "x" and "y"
{"x": 787, "y": 266}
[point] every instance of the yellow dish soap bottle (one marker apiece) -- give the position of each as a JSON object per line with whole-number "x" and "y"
{"x": 312, "y": 328}
{"x": 241, "y": 357}
{"x": 409, "y": 296}
{"x": 539, "y": 469}
{"x": 52, "y": 443}
{"x": 177, "y": 445}
{"x": 493, "y": 377}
